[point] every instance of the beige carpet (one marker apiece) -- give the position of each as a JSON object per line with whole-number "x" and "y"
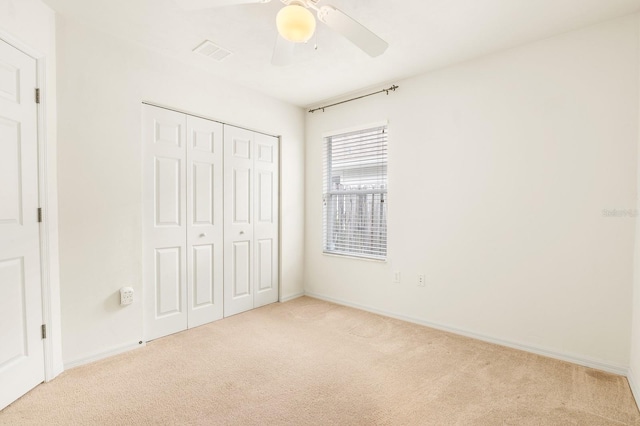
{"x": 308, "y": 362}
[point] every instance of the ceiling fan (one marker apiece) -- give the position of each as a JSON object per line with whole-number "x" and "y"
{"x": 296, "y": 24}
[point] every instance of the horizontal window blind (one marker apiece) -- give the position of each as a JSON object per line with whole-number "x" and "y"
{"x": 355, "y": 193}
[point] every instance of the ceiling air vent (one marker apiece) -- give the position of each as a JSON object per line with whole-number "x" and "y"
{"x": 209, "y": 49}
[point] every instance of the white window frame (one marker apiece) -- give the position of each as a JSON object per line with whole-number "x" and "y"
{"x": 325, "y": 223}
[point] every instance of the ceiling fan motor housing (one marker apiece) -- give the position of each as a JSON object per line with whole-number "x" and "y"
{"x": 295, "y": 22}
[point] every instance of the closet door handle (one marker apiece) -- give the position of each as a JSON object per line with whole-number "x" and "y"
{"x": 241, "y": 232}
{"x": 203, "y": 235}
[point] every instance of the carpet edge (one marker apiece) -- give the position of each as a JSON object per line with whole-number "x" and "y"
{"x": 633, "y": 384}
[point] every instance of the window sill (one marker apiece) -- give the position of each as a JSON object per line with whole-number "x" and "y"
{"x": 354, "y": 257}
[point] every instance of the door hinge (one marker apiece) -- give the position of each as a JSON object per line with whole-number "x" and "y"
{"x": 44, "y": 331}
{"x": 39, "y": 214}
{"x": 37, "y": 96}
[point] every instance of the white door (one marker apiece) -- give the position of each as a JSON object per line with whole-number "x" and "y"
{"x": 251, "y": 187}
{"x": 205, "y": 225}
{"x": 21, "y": 348}
{"x": 164, "y": 221}
{"x": 238, "y": 217}
{"x": 265, "y": 227}
{"x": 183, "y": 225}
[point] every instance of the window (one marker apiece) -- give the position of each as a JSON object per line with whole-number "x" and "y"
{"x": 355, "y": 193}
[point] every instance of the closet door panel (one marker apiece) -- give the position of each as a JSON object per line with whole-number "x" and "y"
{"x": 205, "y": 225}
{"x": 203, "y": 260}
{"x": 264, "y": 269}
{"x": 204, "y": 181}
{"x": 241, "y": 269}
{"x": 168, "y": 281}
{"x": 164, "y": 225}
{"x": 241, "y": 196}
{"x": 238, "y": 214}
{"x": 167, "y": 191}
{"x": 266, "y": 226}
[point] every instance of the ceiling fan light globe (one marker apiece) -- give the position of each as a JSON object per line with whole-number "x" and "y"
{"x": 295, "y": 23}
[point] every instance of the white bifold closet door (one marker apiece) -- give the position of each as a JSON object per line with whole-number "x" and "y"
{"x": 251, "y": 199}
{"x": 183, "y": 225}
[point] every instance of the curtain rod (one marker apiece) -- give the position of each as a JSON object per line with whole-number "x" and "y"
{"x": 390, "y": 89}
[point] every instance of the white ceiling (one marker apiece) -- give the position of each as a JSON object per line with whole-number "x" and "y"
{"x": 423, "y": 35}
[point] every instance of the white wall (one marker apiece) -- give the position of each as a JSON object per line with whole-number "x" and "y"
{"x": 499, "y": 170}
{"x": 102, "y": 82}
{"x": 31, "y": 23}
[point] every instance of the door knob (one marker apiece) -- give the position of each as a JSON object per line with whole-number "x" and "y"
{"x": 203, "y": 235}
{"x": 241, "y": 232}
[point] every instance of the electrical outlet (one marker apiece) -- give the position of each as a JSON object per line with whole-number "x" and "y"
{"x": 396, "y": 277}
{"x": 126, "y": 296}
{"x": 421, "y": 281}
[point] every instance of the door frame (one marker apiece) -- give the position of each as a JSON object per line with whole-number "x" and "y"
{"x": 279, "y": 218}
{"x": 53, "y": 343}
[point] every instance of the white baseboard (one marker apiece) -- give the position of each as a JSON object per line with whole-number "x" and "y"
{"x": 289, "y": 298}
{"x": 633, "y": 384}
{"x": 121, "y": 349}
{"x": 572, "y": 358}
{"x": 102, "y": 355}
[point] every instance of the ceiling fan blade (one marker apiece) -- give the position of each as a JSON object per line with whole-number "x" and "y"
{"x": 209, "y": 4}
{"x": 282, "y": 52}
{"x": 354, "y": 31}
